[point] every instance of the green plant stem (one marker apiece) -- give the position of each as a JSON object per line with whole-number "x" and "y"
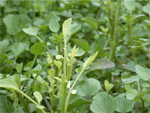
{"x": 33, "y": 14}
{"x": 73, "y": 85}
{"x": 113, "y": 32}
{"x": 142, "y": 105}
{"x": 131, "y": 43}
{"x": 64, "y": 80}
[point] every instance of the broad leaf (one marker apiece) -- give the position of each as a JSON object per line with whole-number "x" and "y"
{"x": 54, "y": 25}
{"x": 147, "y": 8}
{"x": 76, "y": 101}
{"x": 37, "y": 49}
{"x": 82, "y": 44}
{"x": 131, "y": 93}
{"x": 12, "y": 22}
{"x": 130, "y": 79}
{"x": 102, "y": 64}
{"x": 31, "y": 31}
{"x": 88, "y": 87}
{"x": 91, "y": 21}
{"x": 18, "y": 48}
{"x": 130, "y": 4}
{"x": 5, "y": 105}
{"x": 103, "y": 103}
{"x": 123, "y": 104}
{"x": 143, "y": 73}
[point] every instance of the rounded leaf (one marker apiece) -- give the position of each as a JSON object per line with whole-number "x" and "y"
{"x": 38, "y": 96}
{"x": 54, "y": 25}
{"x": 129, "y": 4}
{"x": 123, "y": 104}
{"x": 37, "y": 49}
{"x": 103, "y": 103}
{"x": 88, "y": 87}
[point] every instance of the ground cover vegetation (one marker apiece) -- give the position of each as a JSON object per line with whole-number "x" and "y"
{"x": 74, "y": 56}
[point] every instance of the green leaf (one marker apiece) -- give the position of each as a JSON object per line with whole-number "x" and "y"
{"x": 130, "y": 79}
{"x": 103, "y": 103}
{"x": 130, "y": 4}
{"x": 74, "y": 28}
{"x": 131, "y": 93}
{"x": 146, "y": 8}
{"x": 76, "y": 101}
{"x": 4, "y": 45}
{"x": 123, "y": 105}
{"x": 88, "y": 87}
{"x": 18, "y": 48}
{"x": 143, "y": 73}
{"x": 58, "y": 64}
{"x": 5, "y": 105}
{"x": 54, "y": 25}
{"x": 90, "y": 60}
{"x": 19, "y": 67}
{"x": 82, "y": 44}
{"x": 102, "y": 64}
{"x": 38, "y": 96}
{"x": 66, "y": 26}
{"x": 129, "y": 66}
{"x": 108, "y": 86}
{"x": 31, "y": 31}
{"x": 91, "y": 21}
{"x": 12, "y": 22}
{"x": 37, "y": 49}
{"x": 8, "y": 83}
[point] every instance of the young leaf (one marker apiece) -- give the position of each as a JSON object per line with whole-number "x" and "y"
{"x": 31, "y": 31}
{"x": 19, "y": 67}
{"x": 90, "y": 60}
{"x": 58, "y": 63}
{"x": 108, "y": 86}
{"x": 54, "y": 25}
{"x": 66, "y": 26}
{"x": 38, "y": 96}
{"x": 37, "y": 49}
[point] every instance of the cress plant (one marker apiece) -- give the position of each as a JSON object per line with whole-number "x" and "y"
{"x": 45, "y": 64}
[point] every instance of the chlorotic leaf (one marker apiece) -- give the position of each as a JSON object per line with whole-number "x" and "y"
{"x": 66, "y": 26}
{"x": 38, "y": 96}
{"x": 90, "y": 60}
